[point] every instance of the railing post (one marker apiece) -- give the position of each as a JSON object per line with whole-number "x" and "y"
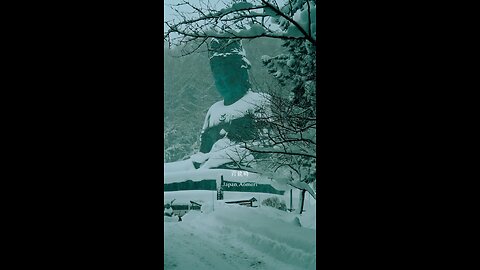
{"x": 219, "y": 189}
{"x": 291, "y": 200}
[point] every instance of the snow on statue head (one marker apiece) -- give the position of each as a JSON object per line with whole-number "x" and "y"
{"x": 229, "y": 68}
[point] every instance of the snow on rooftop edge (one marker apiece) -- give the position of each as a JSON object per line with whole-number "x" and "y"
{"x": 214, "y": 174}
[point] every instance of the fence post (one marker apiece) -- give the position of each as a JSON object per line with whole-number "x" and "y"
{"x": 291, "y": 200}
{"x": 219, "y": 190}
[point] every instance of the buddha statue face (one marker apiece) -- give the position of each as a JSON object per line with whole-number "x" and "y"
{"x": 230, "y": 70}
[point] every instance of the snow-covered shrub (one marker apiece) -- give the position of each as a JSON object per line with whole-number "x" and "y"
{"x": 275, "y": 202}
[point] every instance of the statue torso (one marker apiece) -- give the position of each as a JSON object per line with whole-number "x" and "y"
{"x": 235, "y": 119}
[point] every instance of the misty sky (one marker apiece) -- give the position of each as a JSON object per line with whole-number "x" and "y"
{"x": 168, "y": 12}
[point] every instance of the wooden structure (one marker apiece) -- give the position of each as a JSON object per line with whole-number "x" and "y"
{"x": 195, "y": 206}
{"x": 219, "y": 190}
{"x": 248, "y": 203}
{"x": 182, "y": 208}
{"x": 224, "y": 183}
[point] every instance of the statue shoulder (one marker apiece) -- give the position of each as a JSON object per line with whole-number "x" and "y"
{"x": 257, "y": 97}
{"x": 215, "y": 105}
{"x": 257, "y": 100}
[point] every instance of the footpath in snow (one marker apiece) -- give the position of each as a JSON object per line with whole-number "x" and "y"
{"x": 238, "y": 237}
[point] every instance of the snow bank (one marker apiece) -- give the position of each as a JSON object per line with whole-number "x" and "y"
{"x": 183, "y": 165}
{"x": 238, "y": 237}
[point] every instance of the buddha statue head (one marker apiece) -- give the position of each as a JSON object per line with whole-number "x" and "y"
{"x": 229, "y": 68}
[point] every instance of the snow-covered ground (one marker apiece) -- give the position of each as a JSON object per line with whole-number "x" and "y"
{"x": 238, "y": 237}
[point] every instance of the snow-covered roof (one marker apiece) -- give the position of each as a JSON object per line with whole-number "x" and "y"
{"x": 214, "y": 174}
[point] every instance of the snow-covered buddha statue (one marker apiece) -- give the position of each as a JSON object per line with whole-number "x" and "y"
{"x": 228, "y": 122}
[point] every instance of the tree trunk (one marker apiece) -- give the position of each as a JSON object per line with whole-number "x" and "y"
{"x": 301, "y": 201}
